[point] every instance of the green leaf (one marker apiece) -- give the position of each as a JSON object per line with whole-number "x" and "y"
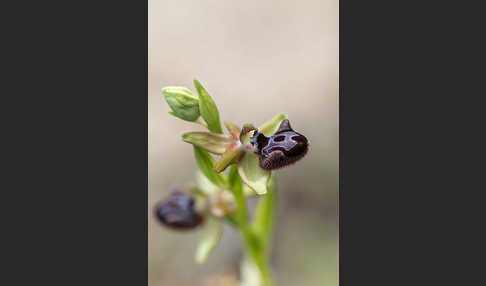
{"x": 212, "y": 234}
{"x": 206, "y": 165}
{"x": 208, "y": 109}
{"x": 184, "y": 104}
{"x": 251, "y": 173}
{"x": 211, "y": 142}
{"x": 270, "y": 127}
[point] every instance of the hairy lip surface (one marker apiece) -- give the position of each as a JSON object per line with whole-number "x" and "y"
{"x": 178, "y": 212}
{"x": 283, "y": 148}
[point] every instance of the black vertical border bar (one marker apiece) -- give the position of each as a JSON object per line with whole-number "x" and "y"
{"x": 77, "y": 165}
{"x": 384, "y": 132}
{"x": 80, "y": 216}
{"x": 341, "y": 163}
{"x": 359, "y": 138}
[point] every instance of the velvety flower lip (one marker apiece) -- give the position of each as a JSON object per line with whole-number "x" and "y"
{"x": 283, "y": 148}
{"x": 178, "y": 211}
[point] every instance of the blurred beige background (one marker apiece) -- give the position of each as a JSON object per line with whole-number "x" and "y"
{"x": 256, "y": 59}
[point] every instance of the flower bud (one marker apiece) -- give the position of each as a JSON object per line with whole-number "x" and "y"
{"x": 178, "y": 211}
{"x": 283, "y": 148}
{"x": 183, "y": 102}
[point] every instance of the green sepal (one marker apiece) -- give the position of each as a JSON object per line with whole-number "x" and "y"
{"x": 211, "y": 142}
{"x": 270, "y": 127}
{"x": 251, "y": 173}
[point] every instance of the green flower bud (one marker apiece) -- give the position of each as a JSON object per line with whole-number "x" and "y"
{"x": 183, "y": 102}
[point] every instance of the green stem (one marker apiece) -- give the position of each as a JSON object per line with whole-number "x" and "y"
{"x": 263, "y": 229}
{"x": 257, "y": 236}
{"x": 264, "y": 214}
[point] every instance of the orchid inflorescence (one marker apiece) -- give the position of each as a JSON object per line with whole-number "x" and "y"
{"x": 251, "y": 154}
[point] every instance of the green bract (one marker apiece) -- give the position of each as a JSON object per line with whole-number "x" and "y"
{"x": 183, "y": 102}
{"x": 212, "y": 234}
{"x": 206, "y": 165}
{"x": 204, "y": 184}
{"x": 208, "y": 109}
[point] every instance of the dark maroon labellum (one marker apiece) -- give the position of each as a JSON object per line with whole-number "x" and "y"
{"x": 178, "y": 212}
{"x": 281, "y": 149}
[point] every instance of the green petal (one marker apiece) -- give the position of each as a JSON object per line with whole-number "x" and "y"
{"x": 212, "y": 234}
{"x": 231, "y": 156}
{"x": 184, "y": 104}
{"x": 208, "y": 109}
{"x": 270, "y": 127}
{"x": 251, "y": 173}
{"x": 206, "y": 165}
{"x": 211, "y": 142}
{"x": 233, "y": 129}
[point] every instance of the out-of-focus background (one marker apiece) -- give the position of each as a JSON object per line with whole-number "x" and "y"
{"x": 256, "y": 59}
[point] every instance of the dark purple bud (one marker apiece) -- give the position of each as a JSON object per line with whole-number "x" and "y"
{"x": 283, "y": 148}
{"x": 178, "y": 211}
